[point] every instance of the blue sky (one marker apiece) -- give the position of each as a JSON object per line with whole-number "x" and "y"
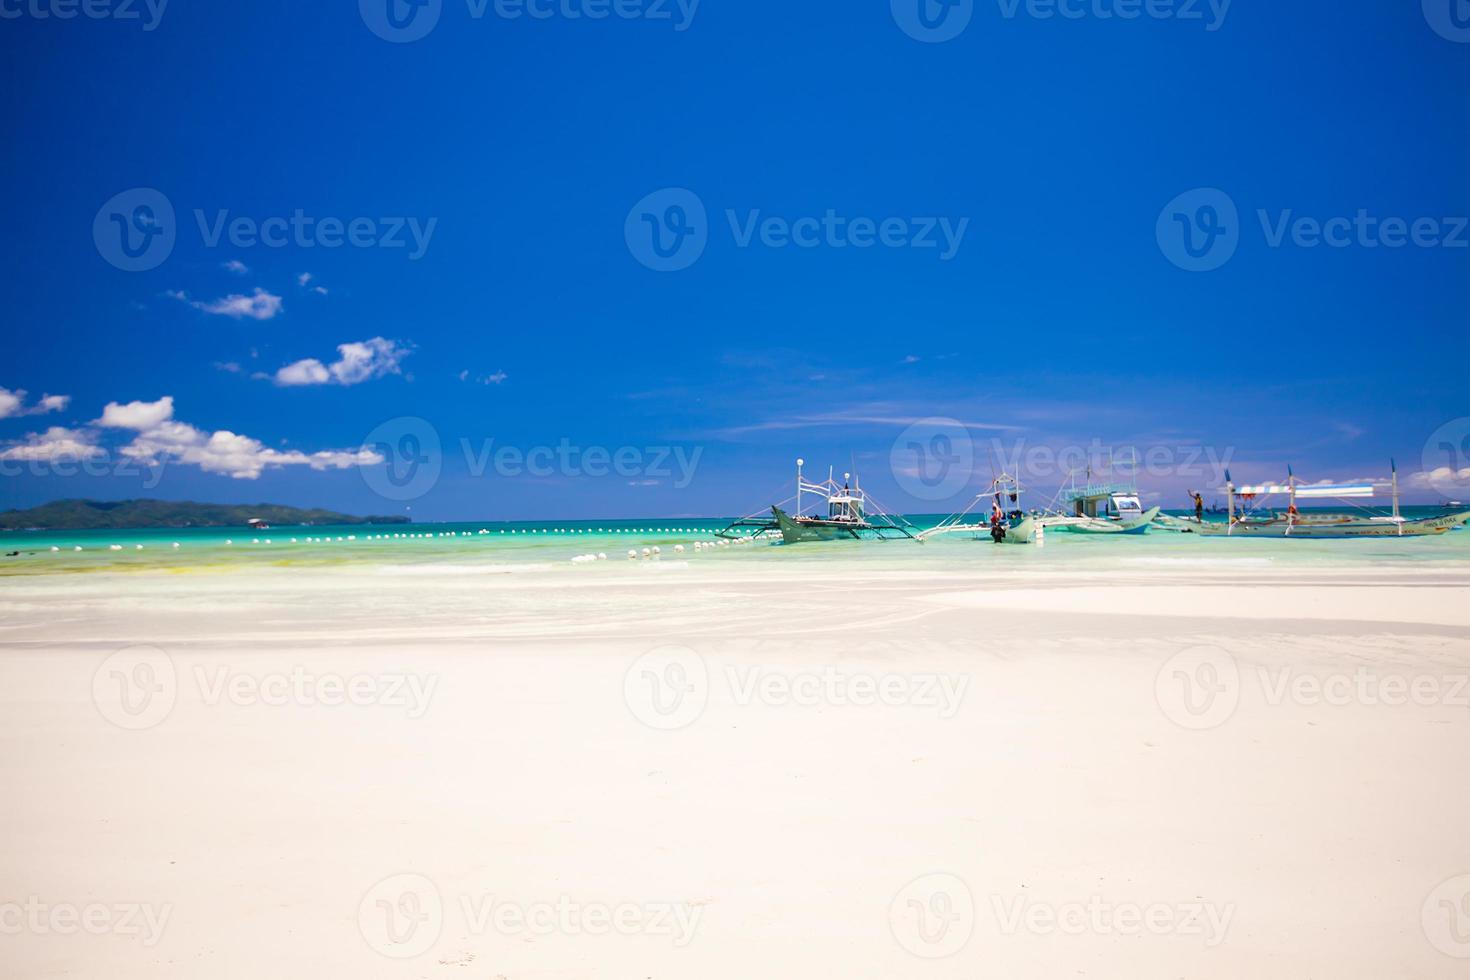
{"x": 515, "y": 161}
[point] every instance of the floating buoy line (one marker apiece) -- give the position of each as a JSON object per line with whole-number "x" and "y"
{"x": 646, "y": 553}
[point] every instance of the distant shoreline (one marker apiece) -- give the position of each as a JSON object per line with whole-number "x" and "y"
{"x": 142, "y": 514}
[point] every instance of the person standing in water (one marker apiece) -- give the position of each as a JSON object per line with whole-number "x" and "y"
{"x": 1199, "y": 505}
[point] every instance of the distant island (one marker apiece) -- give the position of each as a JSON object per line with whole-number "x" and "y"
{"x": 80, "y": 515}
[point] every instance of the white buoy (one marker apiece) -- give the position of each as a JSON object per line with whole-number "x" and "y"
{"x": 176, "y": 544}
{"x": 679, "y": 548}
{"x": 631, "y": 553}
{"x": 54, "y": 548}
{"x": 602, "y": 556}
{"x": 114, "y": 547}
{"x": 655, "y": 550}
{"x": 139, "y": 547}
{"x": 77, "y": 548}
{"x": 228, "y": 541}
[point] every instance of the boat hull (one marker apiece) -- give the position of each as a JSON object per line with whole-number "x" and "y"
{"x": 1343, "y": 529}
{"x": 794, "y": 531}
{"x": 1102, "y": 525}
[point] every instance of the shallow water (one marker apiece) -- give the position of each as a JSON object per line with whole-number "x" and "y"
{"x": 527, "y": 547}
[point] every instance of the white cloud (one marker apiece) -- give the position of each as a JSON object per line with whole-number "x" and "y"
{"x": 56, "y": 443}
{"x": 357, "y": 361}
{"x": 260, "y": 305}
{"x": 160, "y": 438}
{"x": 232, "y": 454}
{"x": 13, "y": 404}
{"x": 307, "y": 372}
{"x": 486, "y": 379}
{"x": 303, "y": 279}
{"x": 1440, "y": 478}
{"x": 236, "y": 266}
{"x": 137, "y": 415}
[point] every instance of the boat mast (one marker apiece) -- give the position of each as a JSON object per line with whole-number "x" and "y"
{"x": 1291, "y": 499}
{"x": 1229, "y": 503}
{"x": 1397, "y": 522}
{"x": 799, "y": 463}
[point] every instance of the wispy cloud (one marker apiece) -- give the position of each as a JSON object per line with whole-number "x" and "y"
{"x": 485, "y": 379}
{"x": 235, "y": 266}
{"x": 358, "y": 361}
{"x": 846, "y": 418}
{"x": 259, "y": 305}
{"x": 53, "y": 445}
{"x": 13, "y": 404}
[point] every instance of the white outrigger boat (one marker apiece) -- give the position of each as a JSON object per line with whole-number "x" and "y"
{"x": 1006, "y": 525}
{"x": 851, "y": 515}
{"x": 1100, "y": 509}
{"x": 1241, "y": 522}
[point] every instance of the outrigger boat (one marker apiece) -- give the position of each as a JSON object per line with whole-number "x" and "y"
{"x": 1100, "y": 508}
{"x": 1006, "y": 525}
{"x": 1294, "y": 524}
{"x": 851, "y": 514}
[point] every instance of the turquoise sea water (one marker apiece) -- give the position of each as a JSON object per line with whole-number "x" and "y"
{"x": 541, "y": 542}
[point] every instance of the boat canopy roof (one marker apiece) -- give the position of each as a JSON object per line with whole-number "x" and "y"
{"x": 1312, "y": 489}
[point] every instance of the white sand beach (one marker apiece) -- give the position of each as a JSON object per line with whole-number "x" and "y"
{"x": 738, "y": 765}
